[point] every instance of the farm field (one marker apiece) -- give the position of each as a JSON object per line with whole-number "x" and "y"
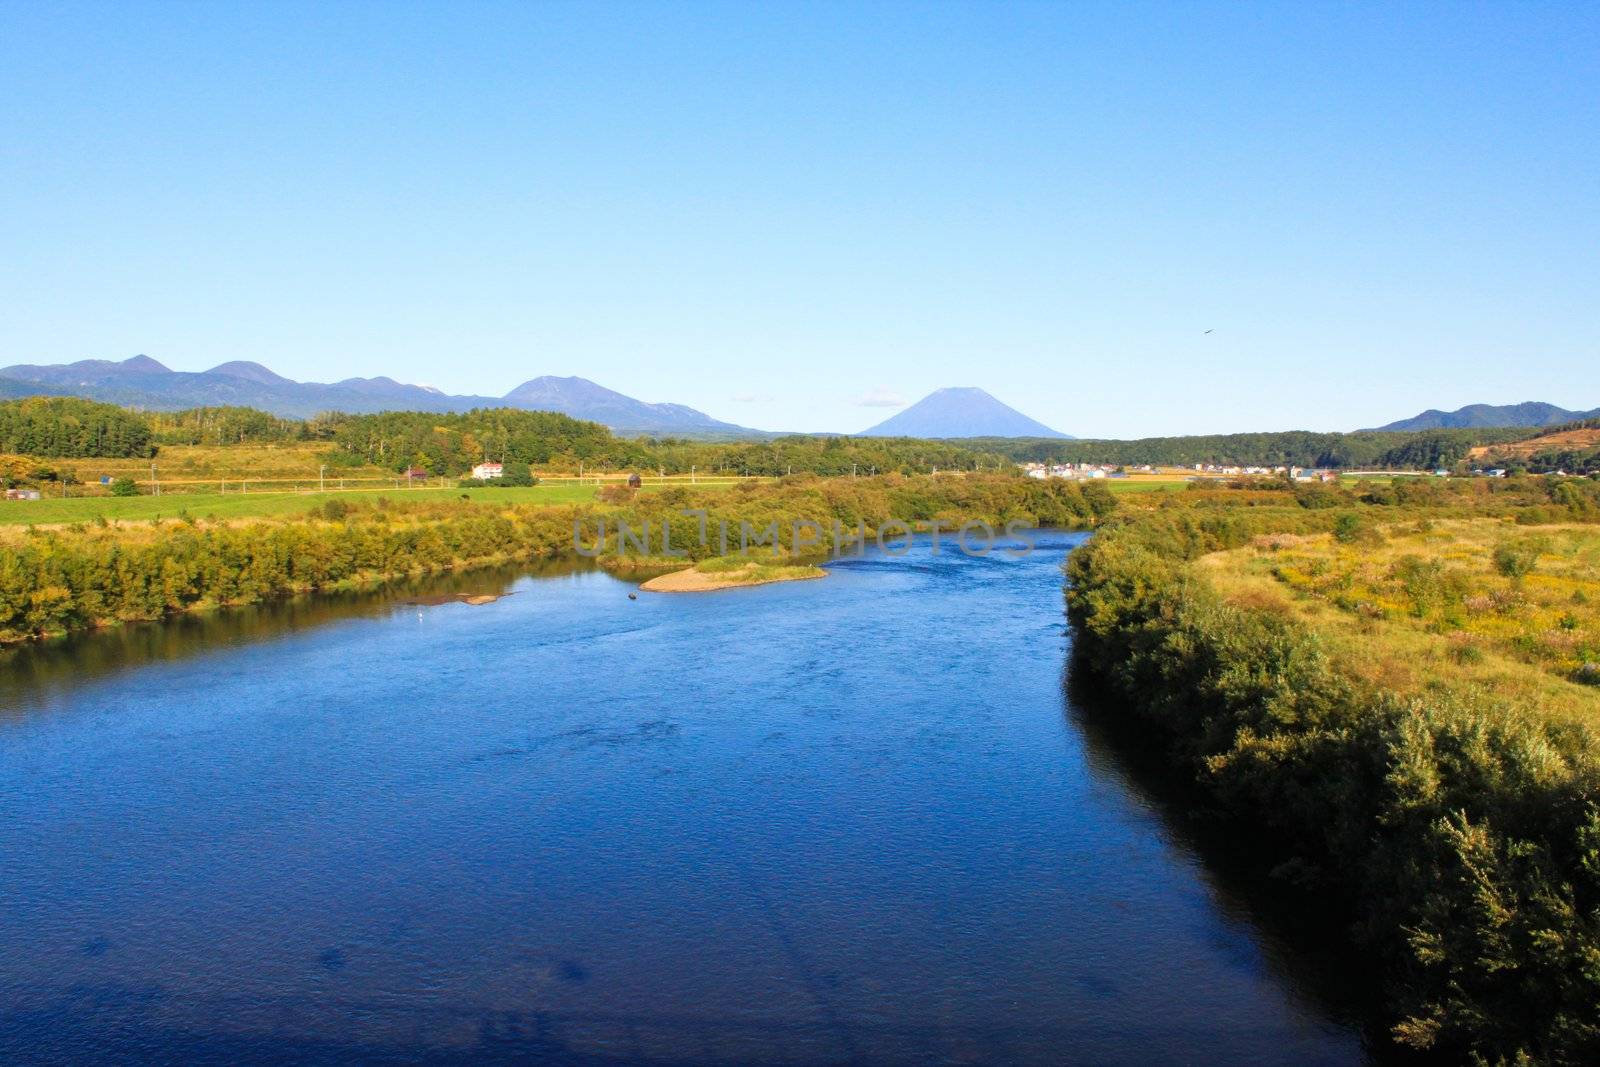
{"x": 294, "y": 466}
{"x": 1143, "y": 485}
{"x": 268, "y": 505}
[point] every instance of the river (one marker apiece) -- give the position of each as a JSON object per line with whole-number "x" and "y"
{"x": 855, "y": 820}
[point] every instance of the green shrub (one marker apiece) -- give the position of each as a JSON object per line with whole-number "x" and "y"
{"x": 1351, "y": 529}
{"x": 1515, "y": 561}
{"x": 515, "y": 473}
{"x": 124, "y": 487}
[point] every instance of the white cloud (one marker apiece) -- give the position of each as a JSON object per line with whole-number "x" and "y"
{"x": 881, "y": 397}
{"x": 753, "y": 398}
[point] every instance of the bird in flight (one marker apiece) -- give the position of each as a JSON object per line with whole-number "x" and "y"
{"x": 1208, "y": 331}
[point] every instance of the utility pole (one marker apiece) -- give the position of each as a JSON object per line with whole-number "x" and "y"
{"x": 691, "y": 474}
{"x": 154, "y": 484}
{"x": 322, "y": 470}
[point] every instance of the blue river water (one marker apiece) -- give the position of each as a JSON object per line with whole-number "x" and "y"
{"x": 854, "y": 820}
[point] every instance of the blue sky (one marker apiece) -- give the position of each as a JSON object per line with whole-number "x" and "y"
{"x": 790, "y": 216}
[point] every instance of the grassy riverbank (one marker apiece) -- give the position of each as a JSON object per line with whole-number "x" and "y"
{"x": 67, "y": 578}
{"x": 1385, "y": 687}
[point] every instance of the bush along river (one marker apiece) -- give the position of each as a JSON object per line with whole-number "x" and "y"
{"x": 856, "y": 820}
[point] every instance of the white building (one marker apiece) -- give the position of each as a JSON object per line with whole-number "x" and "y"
{"x": 485, "y": 471}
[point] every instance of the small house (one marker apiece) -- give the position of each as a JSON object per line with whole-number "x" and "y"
{"x": 416, "y": 472}
{"x": 485, "y": 471}
{"x": 23, "y": 494}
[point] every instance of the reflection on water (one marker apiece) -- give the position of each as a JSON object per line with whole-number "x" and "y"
{"x": 1304, "y": 939}
{"x": 852, "y": 820}
{"x": 26, "y": 670}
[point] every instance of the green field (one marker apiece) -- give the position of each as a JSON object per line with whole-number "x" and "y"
{"x": 1130, "y": 485}
{"x": 257, "y": 505}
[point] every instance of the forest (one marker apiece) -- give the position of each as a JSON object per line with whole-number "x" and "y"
{"x": 451, "y": 444}
{"x": 1392, "y": 697}
{"x": 234, "y": 426}
{"x": 64, "y": 426}
{"x": 1364, "y": 449}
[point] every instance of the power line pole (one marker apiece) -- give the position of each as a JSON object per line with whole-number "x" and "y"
{"x": 322, "y": 470}
{"x": 154, "y": 484}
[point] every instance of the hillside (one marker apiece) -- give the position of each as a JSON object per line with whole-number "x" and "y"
{"x": 1561, "y": 441}
{"x": 1475, "y": 416}
{"x": 960, "y": 412}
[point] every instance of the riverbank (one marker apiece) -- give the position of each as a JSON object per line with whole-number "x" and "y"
{"x": 1454, "y": 826}
{"x": 84, "y": 576}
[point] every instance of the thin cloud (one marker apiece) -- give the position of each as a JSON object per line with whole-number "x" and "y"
{"x": 881, "y": 398}
{"x": 753, "y": 398}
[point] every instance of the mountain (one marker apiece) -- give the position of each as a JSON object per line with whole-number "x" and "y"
{"x": 572, "y": 396}
{"x": 960, "y": 412}
{"x": 10, "y": 390}
{"x": 1475, "y": 416}
{"x": 250, "y": 372}
{"x": 87, "y": 371}
{"x": 147, "y": 383}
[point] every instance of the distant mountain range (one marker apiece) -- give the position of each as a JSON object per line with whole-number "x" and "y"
{"x": 145, "y": 382}
{"x": 1479, "y": 416}
{"x": 960, "y": 412}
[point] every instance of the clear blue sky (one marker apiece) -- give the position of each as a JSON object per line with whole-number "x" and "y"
{"x": 777, "y": 213}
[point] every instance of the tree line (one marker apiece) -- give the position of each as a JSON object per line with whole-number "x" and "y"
{"x": 449, "y": 444}
{"x": 227, "y": 425}
{"x": 1364, "y": 449}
